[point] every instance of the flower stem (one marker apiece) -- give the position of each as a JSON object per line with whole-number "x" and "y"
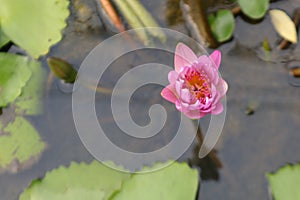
{"x": 296, "y": 72}
{"x": 236, "y": 10}
{"x": 132, "y": 19}
{"x": 112, "y": 14}
{"x": 196, "y": 19}
{"x": 212, "y": 155}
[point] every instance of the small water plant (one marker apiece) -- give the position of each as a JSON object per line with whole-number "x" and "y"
{"x": 216, "y": 25}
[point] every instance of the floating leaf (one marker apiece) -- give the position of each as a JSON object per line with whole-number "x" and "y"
{"x": 3, "y": 39}
{"x": 285, "y": 183}
{"x": 20, "y": 144}
{"x": 73, "y": 194}
{"x": 284, "y": 26}
{"x": 30, "y": 101}
{"x": 254, "y": 9}
{"x": 94, "y": 180}
{"x": 15, "y": 73}
{"x": 222, "y": 25}
{"x": 177, "y": 181}
{"x": 34, "y": 25}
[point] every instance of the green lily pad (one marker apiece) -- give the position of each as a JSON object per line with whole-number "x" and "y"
{"x": 285, "y": 183}
{"x": 254, "y": 9}
{"x": 3, "y": 39}
{"x": 20, "y": 145}
{"x": 15, "y": 73}
{"x": 175, "y": 182}
{"x": 34, "y": 25}
{"x": 30, "y": 101}
{"x": 94, "y": 180}
{"x": 74, "y": 193}
{"x": 222, "y": 25}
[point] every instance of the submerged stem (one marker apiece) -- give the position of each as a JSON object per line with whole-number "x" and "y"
{"x": 112, "y": 14}
{"x": 195, "y": 16}
{"x": 132, "y": 19}
{"x": 146, "y": 18}
{"x": 212, "y": 154}
{"x": 296, "y": 72}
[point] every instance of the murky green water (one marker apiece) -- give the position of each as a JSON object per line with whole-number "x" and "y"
{"x": 250, "y": 145}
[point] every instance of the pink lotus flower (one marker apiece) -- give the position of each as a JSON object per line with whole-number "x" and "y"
{"x": 195, "y": 86}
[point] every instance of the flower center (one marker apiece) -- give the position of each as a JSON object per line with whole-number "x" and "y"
{"x": 198, "y": 85}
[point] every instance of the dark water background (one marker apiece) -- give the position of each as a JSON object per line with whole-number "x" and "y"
{"x": 250, "y": 145}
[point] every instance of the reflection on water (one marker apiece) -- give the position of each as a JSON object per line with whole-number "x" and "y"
{"x": 209, "y": 165}
{"x": 250, "y": 145}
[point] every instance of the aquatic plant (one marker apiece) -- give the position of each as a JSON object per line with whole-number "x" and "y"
{"x": 34, "y": 26}
{"x": 214, "y": 25}
{"x": 21, "y": 91}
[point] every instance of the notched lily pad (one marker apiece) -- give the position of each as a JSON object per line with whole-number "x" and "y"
{"x": 3, "y": 39}
{"x": 14, "y": 75}
{"x": 30, "y": 101}
{"x": 20, "y": 145}
{"x": 74, "y": 193}
{"x": 176, "y": 181}
{"x": 34, "y": 25}
{"x": 285, "y": 182}
{"x": 94, "y": 181}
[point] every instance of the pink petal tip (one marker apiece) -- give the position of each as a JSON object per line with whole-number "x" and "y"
{"x": 216, "y": 57}
{"x": 167, "y": 94}
{"x": 184, "y": 56}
